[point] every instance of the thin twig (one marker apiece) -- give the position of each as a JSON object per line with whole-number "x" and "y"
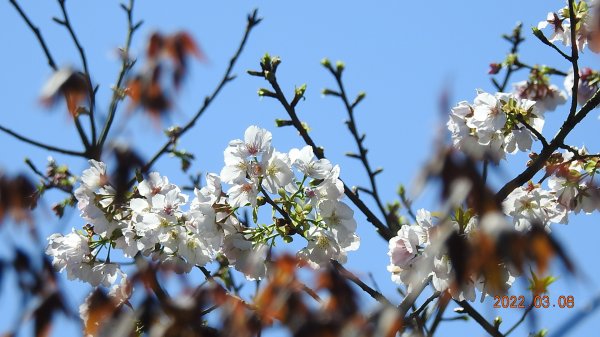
{"x": 41, "y": 145}
{"x": 556, "y": 143}
{"x": 516, "y": 39}
{"x": 270, "y": 201}
{"x": 407, "y": 205}
{"x": 362, "y": 151}
{"x": 535, "y": 132}
{"x": 545, "y": 41}
{"x": 520, "y": 320}
{"x": 479, "y": 319}
{"x": 577, "y": 317}
{"x": 126, "y": 65}
{"x": 212, "y": 280}
{"x": 354, "y": 279}
{"x": 37, "y": 33}
{"x": 67, "y": 24}
{"x": 383, "y": 230}
{"x": 438, "y": 316}
{"x": 253, "y": 20}
{"x": 548, "y": 70}
{"x": 424, "y": 305}
{"x": 375, "y": 285}
{"x": 410, "y": 298}
{"x": 46, "y": 181}
{"x": 82, "y": 135}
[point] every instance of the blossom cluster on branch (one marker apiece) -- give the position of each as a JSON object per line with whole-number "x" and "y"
{"x": 156, "y": 219}
{"x": 493, "y": 125}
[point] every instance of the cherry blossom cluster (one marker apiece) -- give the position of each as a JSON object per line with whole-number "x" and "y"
{"x": 495, "y": 124}
{"x": 571, "y": 187}
{"x": 574, "y": 181}
{"x": 586, "y": 17}
{"x": 417, "y": 256}
{"x": 538, "y": 88}
{"x": 156, "y": 219}
{"x": 589, "y": 83}
{"x": 532, "y": 204}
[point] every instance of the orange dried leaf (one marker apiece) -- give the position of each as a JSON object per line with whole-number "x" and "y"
{"x": 68, "y": 83}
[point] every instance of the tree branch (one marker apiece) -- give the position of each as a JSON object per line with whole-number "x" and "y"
{"x": 521, "y": 320}
{"x": 516, "y": 39}
{"x": 372, "y": 218}
{"x": 574, "y": 59}
{"x": 535, "y": 132}
{"x": 38, "y": 34}
{"x": 41, "y": 145}
{"x": 67, "y": 24}
{"x": 423, "y": 306}
{"x": 253, "y": 20}
{"x": 556, "y": 143}
{"x": 270, "y": 201}
{"x": 354, "y": 279}
{"x": 479, "y": 319}
{"x": 126, "y": 65}
{"x": 362, "y": 151}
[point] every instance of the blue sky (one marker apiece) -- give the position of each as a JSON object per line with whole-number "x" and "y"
{"x": 402, "y": 55}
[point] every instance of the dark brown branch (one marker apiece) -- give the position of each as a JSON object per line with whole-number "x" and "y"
{"x": 555, "y": 144}
{"x": 443, "y": 304}
{"x": 538, "y": 33}
{"x": 37, "y": 33}
{"x": 270, "y": 201}
{"x": 81, "y": 132}
{"x": 479, "y": 319}
{"x": 535, "y": 132}
{"x": 410, "y": 298}
{"x": 574, "y": 59}
{"x": 572, "y": 120}
{"x": 41, "y": 145}
{"x": 354, "y": 279}
{"x": 67, "y": 24}
{"x": 516, "y": 39}
{"x": 372, "y": 218}
{"x": 362, "y": 151}
{"x": 423, "y": 306}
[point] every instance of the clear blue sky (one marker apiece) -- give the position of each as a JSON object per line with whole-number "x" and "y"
{"x": 402, "y": 54}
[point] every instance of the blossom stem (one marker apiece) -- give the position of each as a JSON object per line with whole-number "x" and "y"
{"x": 270, "y": 201}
